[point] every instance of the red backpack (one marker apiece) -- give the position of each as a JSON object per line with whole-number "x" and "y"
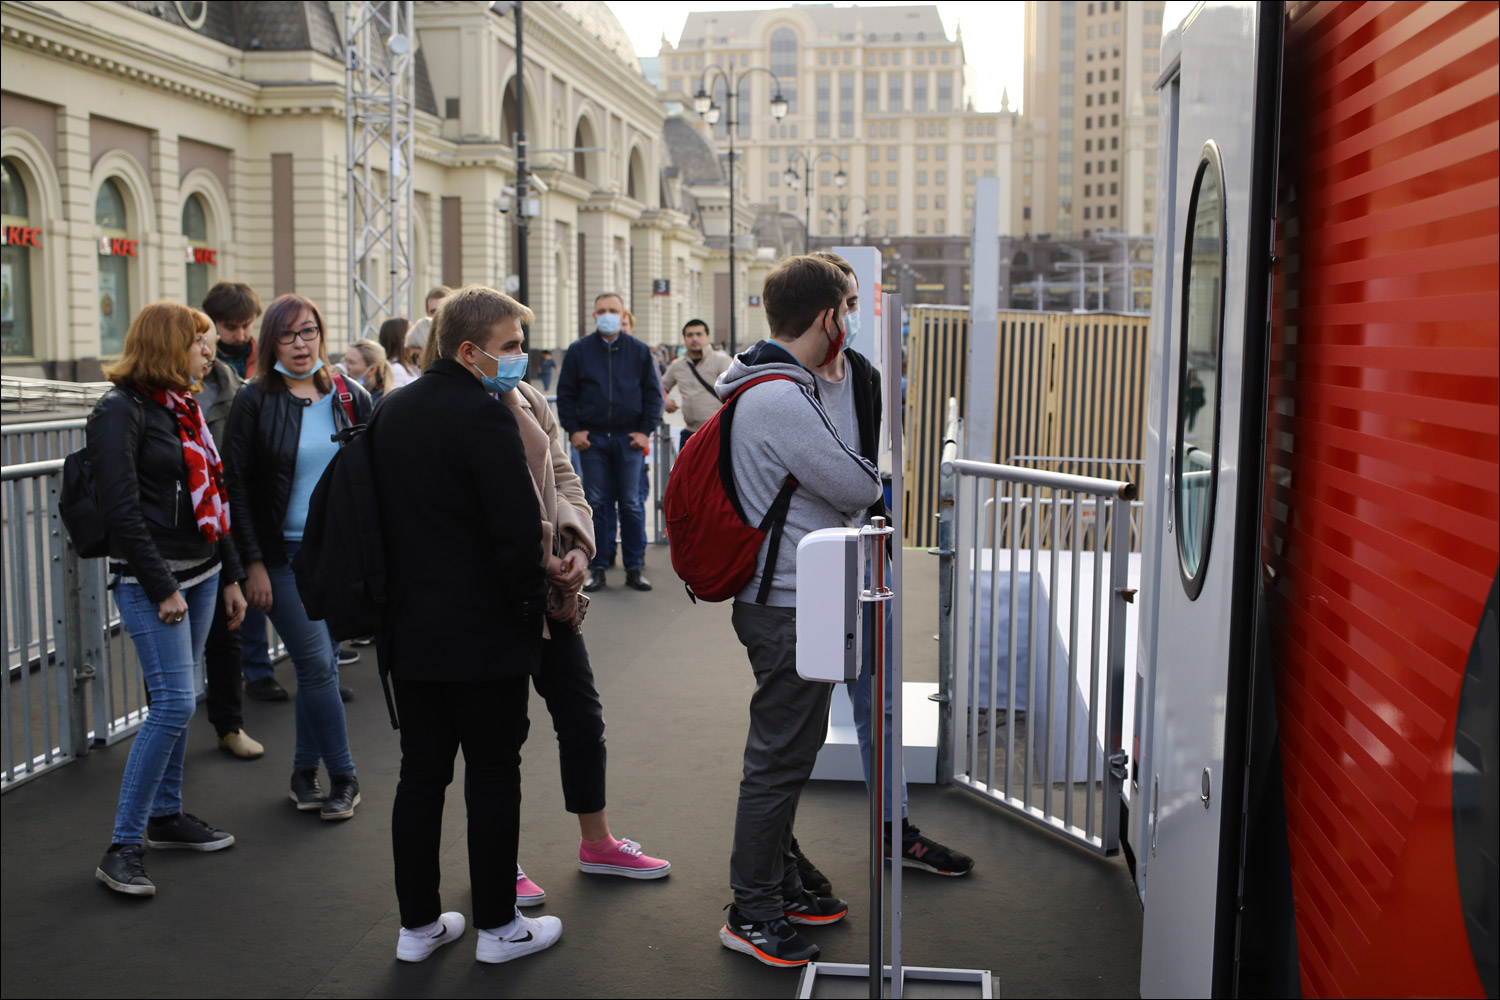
{"x": 713, "y": 544}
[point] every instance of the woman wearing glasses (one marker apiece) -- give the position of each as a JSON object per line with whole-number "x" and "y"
{"x": 281, "y": 433}
{"x": 160, "y": 489}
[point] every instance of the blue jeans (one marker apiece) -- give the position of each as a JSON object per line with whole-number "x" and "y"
{"x": 169, "y": 655}
{"x": 256, "y": 655}
{"x": 321, "y": 731}
{"x": 611, "y": 478}
{"x": 860, "y": 696}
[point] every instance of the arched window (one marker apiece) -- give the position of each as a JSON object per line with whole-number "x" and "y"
{"x": 583, "y": 141}
{"x": 15, "y": 263}
{"x": 784, "y": 64}
{"x": 116, "y": 250}
{"x": 509, "y": 125}
{"x": 195, "y": 228}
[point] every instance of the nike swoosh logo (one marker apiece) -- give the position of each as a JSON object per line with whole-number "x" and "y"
{"x": 441, "y": 932}
{"x": 521, "y": 940}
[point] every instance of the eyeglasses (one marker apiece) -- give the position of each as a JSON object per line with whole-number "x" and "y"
{"x": 306, "y": 333}
{"x": 204, "y": 342}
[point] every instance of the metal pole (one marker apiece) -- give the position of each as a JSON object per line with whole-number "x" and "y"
{"x": 729, "y": 96}
{"x": 522, "y": 227}
{"x": 806, "y": 204}
{"x": 946, "y": 563}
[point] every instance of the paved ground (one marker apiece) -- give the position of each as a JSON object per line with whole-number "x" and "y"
{"x": 299, "y": 907}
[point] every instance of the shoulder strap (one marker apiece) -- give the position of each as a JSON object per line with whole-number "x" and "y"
{"x": 701, "y": 380}
{"x": 345, "y": 396}
{"x": 775, "y": 520}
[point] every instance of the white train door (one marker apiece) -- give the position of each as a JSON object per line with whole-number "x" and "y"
{"x": 1209, "y": 393}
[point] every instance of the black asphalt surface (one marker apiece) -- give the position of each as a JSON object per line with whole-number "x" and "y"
{"x": 300, "y": 907}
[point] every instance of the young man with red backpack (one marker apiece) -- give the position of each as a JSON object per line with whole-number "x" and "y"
{"x": 782, "y": 436}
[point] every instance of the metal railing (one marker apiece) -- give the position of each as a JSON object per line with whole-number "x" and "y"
{"x": 1033, "y": 597}
{"x": 35, "y": 395}
{"x": 39, "y": 442}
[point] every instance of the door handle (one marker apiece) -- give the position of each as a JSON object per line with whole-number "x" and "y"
{"x": 1171, "y": 479}
{"x": 1155, "y": 809}
{"x": 1207, "y": 788}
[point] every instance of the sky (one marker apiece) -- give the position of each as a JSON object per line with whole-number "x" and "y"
{"x": 993, "y": 42}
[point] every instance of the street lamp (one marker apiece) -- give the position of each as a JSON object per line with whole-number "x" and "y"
{"x": 705, "y": 106}
{"x": 844, "y": 200}
{"x": 791, "y": 176}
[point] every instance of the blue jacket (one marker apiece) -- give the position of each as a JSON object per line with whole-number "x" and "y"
{"x": 609, "y": 388}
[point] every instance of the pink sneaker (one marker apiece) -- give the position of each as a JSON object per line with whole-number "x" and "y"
{"x": 528, "y": 893}
{"x": 625, "y": 859}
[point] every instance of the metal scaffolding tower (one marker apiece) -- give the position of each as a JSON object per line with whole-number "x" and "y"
{"x": 379, "y": 100}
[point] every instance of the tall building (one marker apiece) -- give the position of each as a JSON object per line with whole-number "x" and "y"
{"x": 879, "y": 95}
{"x": 1089, "y": 155}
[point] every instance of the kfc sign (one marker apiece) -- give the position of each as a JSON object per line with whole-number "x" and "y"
{"x": 20, "y": 236}
{"x": 201, "y": 255}
{"x": 109, "y": 246}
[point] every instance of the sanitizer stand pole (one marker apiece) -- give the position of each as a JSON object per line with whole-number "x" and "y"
{"x": 877, "y": 602}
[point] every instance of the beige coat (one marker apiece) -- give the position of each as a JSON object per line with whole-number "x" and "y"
{"x": 698, "y": 404}
{"x": 568, "y": 521}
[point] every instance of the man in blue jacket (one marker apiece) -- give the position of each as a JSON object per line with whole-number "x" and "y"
{"x": 609, "y": 401}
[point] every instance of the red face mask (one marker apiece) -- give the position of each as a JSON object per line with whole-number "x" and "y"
{"x": 835, "y": 345}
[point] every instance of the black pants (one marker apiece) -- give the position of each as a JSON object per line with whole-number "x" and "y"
{"x": 566, "y": 683}
{"x": 221, "y": 662}
{"x": 488, "y": 720}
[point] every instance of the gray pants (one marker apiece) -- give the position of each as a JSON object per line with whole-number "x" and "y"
{"x": 788, "y": 722}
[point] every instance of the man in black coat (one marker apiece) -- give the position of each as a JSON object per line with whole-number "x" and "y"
{"x": 466, "y": 584}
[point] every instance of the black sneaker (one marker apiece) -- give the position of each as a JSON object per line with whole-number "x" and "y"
{"x": 815, "y": 910}
{"x": 596, "y": 581}
{"x": 343, "y": 798}
{"x": 306, "y": 791}
{"x": 346, "y": 693}
{"x": 348, "y": 656}
{"x": 922, "y": 852}
{"x": 635, "y": 581}
{"x": 813, "y": 880}
{"x": 185, "y": 832}
{"x": 266, "y": 689}
{"x": 363, "y": 640}
{"x": 772, "y": 942}
{"x": 123, "y": 869}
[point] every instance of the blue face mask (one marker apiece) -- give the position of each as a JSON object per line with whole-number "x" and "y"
{"x": 317, "y": 366}
{"x": 607, "y": 323}
{"x": 509, "y": 371}
{"x": 851, "y": 329}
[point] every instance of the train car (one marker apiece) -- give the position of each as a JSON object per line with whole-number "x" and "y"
{"x": 1316, "y": 783}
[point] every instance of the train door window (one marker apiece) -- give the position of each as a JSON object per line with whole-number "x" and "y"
{"x": 1199, "y": 354}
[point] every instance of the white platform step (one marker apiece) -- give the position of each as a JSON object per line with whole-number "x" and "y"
{"x": 839, "y": 758}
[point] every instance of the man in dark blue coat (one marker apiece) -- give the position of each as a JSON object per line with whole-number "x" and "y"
{"x": 609, "y": 401}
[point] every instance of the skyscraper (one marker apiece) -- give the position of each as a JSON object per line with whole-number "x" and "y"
{"x": 1089, "y": 157}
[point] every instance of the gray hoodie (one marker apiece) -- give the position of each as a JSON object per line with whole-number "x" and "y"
{"x": 781, "y": 429}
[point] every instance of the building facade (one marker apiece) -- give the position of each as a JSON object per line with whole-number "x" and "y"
{"x": 1089, "y": 156}
{"x": 879, "y": 95}
{"x": 150, "y": 149}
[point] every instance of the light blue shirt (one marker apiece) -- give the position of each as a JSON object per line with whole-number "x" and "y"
{"x": 315, "y": 449}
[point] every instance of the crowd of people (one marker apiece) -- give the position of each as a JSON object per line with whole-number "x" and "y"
{"x": 205, "y": 456}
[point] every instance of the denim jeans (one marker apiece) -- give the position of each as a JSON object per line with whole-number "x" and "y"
{"x": 255, "y": 655}
{"x": 321, "y": 731}
{"x": 169, "y": 655}
{"x": 611, "y": 478}
{"x": 860, "y": 695}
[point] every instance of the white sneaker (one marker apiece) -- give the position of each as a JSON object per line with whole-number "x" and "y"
{"x": 523, "y": 936}
{"x": 419, "y": 944}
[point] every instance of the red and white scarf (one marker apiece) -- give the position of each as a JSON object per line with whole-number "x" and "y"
{"x": 205, "y": 471}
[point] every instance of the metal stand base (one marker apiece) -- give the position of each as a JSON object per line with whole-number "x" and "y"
{"x": 837, "y": 979}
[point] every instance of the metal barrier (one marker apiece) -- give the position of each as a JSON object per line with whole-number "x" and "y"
{"x": 39, "y": 442}
{"x": 1048, "y": 669}
{"x": 21, "y": 395}
{"x": 663, "y": 455}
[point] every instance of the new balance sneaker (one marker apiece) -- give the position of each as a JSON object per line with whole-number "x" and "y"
{"x": 417, "y": 944}
{"x": 815, "y": 910}
{"x": 522, "y": 936}
{"x": 813, "y": 880}
{"x": 927, "y": 854}
{"x": 528, "y": 893}
{"x": 772, "y": 942}
{"x": 625, "y": 858}
{"x": 342, "y": 798}
{"x": 306, "y": 791}
{"x": 185, "y": 832}
{"x": 123, "y": 869}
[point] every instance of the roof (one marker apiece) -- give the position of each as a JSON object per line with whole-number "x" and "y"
{"x": 917, "y": 22}
{"x": 691, "y": 154}
{"x": 600, "y": 22}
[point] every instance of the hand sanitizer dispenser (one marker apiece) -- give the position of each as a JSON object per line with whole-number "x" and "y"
{"x": 830, "y": 573}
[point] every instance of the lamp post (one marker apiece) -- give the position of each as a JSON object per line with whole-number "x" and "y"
{"x": 844, "y": 200}
{"x": 792, "y": 177}
{"x": 704, "y": 105}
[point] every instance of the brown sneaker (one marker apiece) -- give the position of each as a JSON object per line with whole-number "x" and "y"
{"x": 241, "y": 745}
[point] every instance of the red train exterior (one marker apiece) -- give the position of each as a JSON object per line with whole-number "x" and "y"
{"x": 1382, "y": 480}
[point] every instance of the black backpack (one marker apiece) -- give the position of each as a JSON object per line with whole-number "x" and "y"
{"x": 340, "y": 567}
{"x": 78, "y": 506}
